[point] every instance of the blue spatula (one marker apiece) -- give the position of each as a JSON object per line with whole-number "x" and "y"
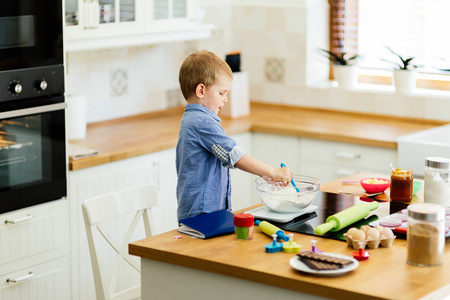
{"x": 292, "y": 180}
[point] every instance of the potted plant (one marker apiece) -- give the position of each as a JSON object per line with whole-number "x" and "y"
{"x": 445, "y": 69}
{"x": 404, "y": 74}
{"x": 345, "y": 69}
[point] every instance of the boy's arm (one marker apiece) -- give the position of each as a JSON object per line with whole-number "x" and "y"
{"x": 250, "y": 164}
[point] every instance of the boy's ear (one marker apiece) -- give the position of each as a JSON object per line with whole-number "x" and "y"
{"x": 200, "y": 90}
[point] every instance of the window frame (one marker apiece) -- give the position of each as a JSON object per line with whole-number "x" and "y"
{"x": 431, "y": 81}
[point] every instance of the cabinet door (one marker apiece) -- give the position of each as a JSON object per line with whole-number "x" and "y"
{"x": 327, "y": 172}
{"x": 32, "y": 235}
{"x": 170, "y": 10}
{"x": 330, "y": 161}
{"x": 274, "y": 149}
{"x": 243, "y": 183}
{"x": 103, "y": 18}
{"x": 164, "y": 175}
{"x": 47, "y": 281}
{"x": 357, "y": 156}
{"x": 157, "y": 168}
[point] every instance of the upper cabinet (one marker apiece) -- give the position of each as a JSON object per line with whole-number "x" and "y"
{"x": 97, "y": 24}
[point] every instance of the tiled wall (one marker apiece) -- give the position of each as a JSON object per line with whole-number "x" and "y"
{"x": 278, "y": 41}
{"x": 126, "y": 81}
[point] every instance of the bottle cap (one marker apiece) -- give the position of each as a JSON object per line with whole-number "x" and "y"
{"x": 438, "y": 163}
{"x": 426, "y": 212}
{"x": 243, "y": 220}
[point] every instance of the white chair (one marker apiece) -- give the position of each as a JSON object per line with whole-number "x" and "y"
{"x": 130, "y": 206}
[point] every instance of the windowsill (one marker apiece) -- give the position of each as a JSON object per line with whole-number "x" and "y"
{"x": 390, "y": 89}
{"x": 378, "y": 88}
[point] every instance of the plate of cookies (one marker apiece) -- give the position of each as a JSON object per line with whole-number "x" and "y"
{"x": 323, "y": 264}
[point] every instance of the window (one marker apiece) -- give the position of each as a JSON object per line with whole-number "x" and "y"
{"x": 411, "y": 28}
{"x": 170, "y": 9}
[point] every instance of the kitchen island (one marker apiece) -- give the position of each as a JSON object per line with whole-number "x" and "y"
{"x": 226, "y": 268}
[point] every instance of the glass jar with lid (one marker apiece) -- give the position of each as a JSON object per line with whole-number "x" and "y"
{"x": 437, "y": 181}
{"x": 401, "y": 185}
{"x": 425, "y": 241}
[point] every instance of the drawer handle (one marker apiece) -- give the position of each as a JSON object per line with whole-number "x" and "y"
{"x": 345, "y": 172}
{"x": 342, "y": 154}
{"x": 19, "y": 220}
{"x": 21, "y": 278}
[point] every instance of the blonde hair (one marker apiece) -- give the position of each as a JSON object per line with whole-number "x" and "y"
{"x": 201, "y": 67}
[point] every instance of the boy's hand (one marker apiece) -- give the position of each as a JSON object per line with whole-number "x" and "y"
{"x": 281, "y": 175}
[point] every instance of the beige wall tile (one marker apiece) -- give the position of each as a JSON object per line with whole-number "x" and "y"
{"x": 275, "y": 19}
{"x": 295, "y": 20}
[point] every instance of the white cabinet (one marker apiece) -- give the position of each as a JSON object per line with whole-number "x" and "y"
{"x": 157, "y": 167}
{"x": 330, "y": 161}
{"x": 100, "y": 24}
{"x": 242, "y": 183}
{"x": 324, "y": 160}
{"x": 274, "y": 149}
{"x": 34, "y": 252}
{"x": 47, "y": 281}
{"x": 101, "y": 19}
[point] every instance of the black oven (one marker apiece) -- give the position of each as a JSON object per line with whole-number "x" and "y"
{"x": 33, "y": 166}
{"x": 32, "y": 154}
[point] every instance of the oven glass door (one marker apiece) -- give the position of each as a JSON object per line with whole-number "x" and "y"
{"x": 30, "y": 34}
{"x": 32, "y": 156}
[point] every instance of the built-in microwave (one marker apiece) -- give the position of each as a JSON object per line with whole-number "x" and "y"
{"x": 31, "y": 34}
{"x": 31, "y": 49}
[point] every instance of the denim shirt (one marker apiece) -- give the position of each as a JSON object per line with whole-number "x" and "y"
{"x": 203, "y": 184}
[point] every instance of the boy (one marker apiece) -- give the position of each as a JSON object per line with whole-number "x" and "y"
{"x": 204, "y": 153}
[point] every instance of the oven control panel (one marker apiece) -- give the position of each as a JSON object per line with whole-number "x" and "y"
{"x": 31, "y": 83}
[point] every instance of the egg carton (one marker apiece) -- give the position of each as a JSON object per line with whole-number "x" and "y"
{"x": 370, "y": 243}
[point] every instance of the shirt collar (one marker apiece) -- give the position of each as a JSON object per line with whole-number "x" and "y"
{"x": 199, "y": 107}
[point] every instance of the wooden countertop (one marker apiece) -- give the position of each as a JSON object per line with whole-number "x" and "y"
{"x": 386, "y": 275}
{"x": 138, "y": 135}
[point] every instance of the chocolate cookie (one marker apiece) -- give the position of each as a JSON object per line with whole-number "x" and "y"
{"x": 318, "y": 265}
{"x": 325, "y": 258}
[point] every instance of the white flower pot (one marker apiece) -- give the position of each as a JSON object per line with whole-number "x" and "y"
{"x": 404, "y": 81}
{"x": 346, "y": 76}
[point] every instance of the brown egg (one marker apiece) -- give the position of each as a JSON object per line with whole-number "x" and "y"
{"x": 372, "y": 234}
{"x": 365, "y": 228}
{"x": 387, "y": 233}
{"x": 359, "y": 235}
{"x": 379, "y": 228}
{"x": 351, "y": 231}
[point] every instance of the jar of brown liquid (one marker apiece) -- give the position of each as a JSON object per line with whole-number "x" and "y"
{"x": 401, "y": 185}
{"x": 425, "y": 241}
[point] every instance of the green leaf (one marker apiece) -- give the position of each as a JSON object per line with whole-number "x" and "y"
{"x": 335, "y": 58}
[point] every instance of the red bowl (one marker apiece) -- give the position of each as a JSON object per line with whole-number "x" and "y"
{"x": 375, "y": 187}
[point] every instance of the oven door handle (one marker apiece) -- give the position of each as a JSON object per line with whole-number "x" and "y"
{"x": 32, "y": 110}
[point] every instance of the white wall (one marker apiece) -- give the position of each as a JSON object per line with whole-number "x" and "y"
{"x": 278, "y": 41}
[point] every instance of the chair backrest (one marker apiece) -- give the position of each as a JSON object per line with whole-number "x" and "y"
{"x": 132, "y": 209}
